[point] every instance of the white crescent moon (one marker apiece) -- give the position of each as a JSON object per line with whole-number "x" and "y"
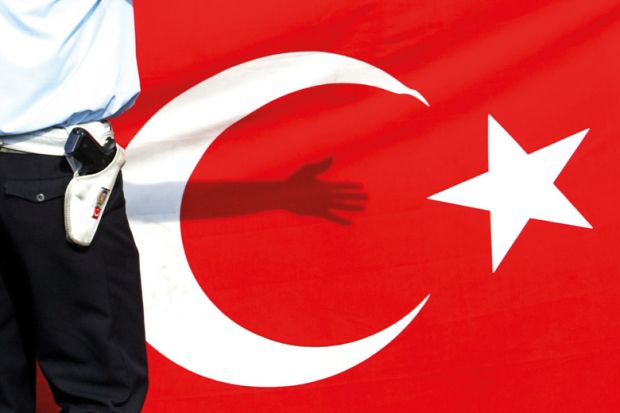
{"x": 181, "y": 321}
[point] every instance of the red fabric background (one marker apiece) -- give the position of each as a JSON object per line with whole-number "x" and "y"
{"x": 540, "y": 335}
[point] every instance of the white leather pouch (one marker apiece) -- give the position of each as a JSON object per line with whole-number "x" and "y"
{"x": 86, "y": 198}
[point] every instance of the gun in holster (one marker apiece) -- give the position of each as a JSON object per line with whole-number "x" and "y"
{"x": 96, "y": 161}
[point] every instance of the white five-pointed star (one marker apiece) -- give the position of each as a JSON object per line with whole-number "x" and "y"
{"x": 518, "y": 187}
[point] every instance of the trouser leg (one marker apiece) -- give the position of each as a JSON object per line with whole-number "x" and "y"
{"x": 87, "y": 303}
{"x": 17, "y": 372}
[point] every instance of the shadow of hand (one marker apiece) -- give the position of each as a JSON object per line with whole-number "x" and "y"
{"x": 304, "y": 194}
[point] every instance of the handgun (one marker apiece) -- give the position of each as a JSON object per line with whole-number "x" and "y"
{"x": 85, "y": 155}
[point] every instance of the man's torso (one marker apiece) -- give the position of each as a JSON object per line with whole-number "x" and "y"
{"x": 65, "y": 62}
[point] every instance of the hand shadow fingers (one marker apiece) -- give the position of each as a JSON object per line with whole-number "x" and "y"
{"x": 342, "y": 196}
{"x": 347, "y": 206}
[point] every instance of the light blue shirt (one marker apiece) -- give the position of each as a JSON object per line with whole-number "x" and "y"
{"x": 64, "y": 62}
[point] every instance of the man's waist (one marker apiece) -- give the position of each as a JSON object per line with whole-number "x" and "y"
{"x": 50, "y": 141}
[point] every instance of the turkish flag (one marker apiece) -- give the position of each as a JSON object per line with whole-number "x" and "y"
{"x": 329, "y": 213}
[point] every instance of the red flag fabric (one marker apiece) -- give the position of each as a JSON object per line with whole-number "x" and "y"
{"x": 316, "y": 220}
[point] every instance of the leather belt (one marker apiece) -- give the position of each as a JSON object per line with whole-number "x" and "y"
{"x": 50, "y": 141}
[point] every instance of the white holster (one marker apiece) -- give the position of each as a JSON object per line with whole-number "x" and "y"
{"x": 86, "y": 198}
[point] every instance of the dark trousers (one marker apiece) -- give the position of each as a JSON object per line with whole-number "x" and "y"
{"x": 78, "y": 310}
